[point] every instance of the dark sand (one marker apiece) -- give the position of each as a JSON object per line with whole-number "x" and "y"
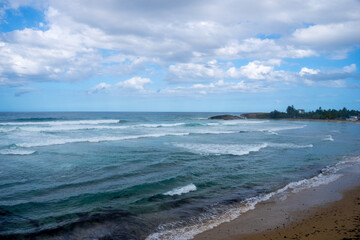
{"x": 326, "y": 212}
{"x": 338, "y": 220}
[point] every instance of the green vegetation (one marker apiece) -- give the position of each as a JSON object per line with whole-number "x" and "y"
{"x": 330, "y": 114}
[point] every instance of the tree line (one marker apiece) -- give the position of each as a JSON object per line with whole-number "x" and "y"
{"x": 331, "y": 114}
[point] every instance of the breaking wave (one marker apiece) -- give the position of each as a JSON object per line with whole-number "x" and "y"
{"x": 219, "y": 149}
{"x": 235, "y": 149}
{"x": 16, "y": 152}
{"x": 177, "y": 230}
{"x": 93, "y": 122}
{"x": 328, "y": 138}
{"x": 181, "y": 190}
{"x": 95, "y": 139}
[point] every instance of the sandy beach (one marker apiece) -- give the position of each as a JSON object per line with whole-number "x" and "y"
{"x": 326, "y": 212}
{"x": 338, "y": 220}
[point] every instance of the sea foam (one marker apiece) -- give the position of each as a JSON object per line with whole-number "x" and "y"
{"x": 289, "y": 145}
{"x": 59, "y": 128}
{"x": 50, "y": 142}
{"x": 16, "y": 152}
{"x": 107, "y": 121}
{"x": 328, "y": 138}
{"x": 208, "y": 221}
{"x": 274, "y": 130}
{"x": 181, "y": 190}
{"x": 219, "y": 149}
{"x": 160, "y": 125}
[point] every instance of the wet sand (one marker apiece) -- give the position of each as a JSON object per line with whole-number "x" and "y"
{"x": 323, "y": 213}
{"x": 338, "y": 220}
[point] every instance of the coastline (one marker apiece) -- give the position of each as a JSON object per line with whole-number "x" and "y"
{"x": 337, "y": 220}
{"x": 328, "y": 211}
{"x": 306, "y": 119}
{"x": 312, "y": 120}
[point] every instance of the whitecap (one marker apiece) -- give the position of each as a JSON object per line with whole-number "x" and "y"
{"x": 209, "y": 221}
{"x": 49, "y": 142}
{"x": 289, "y": 145}
{"x": 70, "y": 128}
{"x": 221, "y": 149}
{"x": 94, "y": 122}
{"x": 6, "y": 130}
{"x": 328, "y": 138}
{"x": 160, "y": 125}
{"x": 213, "y": 132}
{"x": 181, "y": 190}
{"x": 16, "y": 152}
{"x": 275, "y": 129}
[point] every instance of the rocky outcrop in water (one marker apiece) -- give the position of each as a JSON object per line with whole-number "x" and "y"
{"x": 226, "y": 117}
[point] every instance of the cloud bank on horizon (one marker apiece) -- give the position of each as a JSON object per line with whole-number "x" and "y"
{"x": 175, "y": 54}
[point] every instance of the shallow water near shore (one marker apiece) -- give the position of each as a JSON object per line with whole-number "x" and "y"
{"x": 155, "y": 175}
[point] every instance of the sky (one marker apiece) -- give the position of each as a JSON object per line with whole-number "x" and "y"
{"x": 179, "y": 56}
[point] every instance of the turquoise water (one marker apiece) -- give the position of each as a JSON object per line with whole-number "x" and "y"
{"x": 151, "y": 175}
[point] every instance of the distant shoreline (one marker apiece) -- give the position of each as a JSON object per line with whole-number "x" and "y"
{"x": 257, "y": 116}
{"x": 309, "y": 119}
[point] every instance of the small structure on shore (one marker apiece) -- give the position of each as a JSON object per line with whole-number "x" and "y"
{"x": 352, "y": 118}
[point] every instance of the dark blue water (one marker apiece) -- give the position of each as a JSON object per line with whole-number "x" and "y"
{"x": 138, "y": 175}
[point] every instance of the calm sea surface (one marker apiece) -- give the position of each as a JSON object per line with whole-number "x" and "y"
{"x": 155, "y": 175}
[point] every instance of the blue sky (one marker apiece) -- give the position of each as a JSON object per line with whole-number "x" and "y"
{"x": 222, "y": 56}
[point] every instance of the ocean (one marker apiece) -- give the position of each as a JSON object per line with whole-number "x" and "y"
{"x": 108, "y": 175}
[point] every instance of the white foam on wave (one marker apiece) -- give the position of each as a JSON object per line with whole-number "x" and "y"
{"x": 220, "y": 149}
{"x": 71, "y": 126}
{"x": 206, "y": 222}
{"x": 289, "y": 145}
{"x": 58, "y": 141}
{"x": 50, "y": 142}
{"x": 160, "y": 125}
{"x": 274, "y": 130}
{"x": 235, "y": 149}
{"x": 181, "y": 190}
{"x": 213, "y": 132}
{"x": 16, "y": 152}
{"x": 212, "y": 124}
{"x": 78, "y": 122}
{"x": 328, "y": 138}
{"x": 57, "y": 128}
{"x": 6, "y": 130}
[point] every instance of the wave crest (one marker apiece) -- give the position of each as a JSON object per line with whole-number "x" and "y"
{"x": 181, "y": 190}
{"x": 209, "y": 221}
{"x": 328, "y": 138}
{"x": 219, "y": 149}
{"x": 94, "y": 122}
{"x": 16, "y": 152}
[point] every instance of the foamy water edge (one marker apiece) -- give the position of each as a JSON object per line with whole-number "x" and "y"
{"x": 328, "y": 174}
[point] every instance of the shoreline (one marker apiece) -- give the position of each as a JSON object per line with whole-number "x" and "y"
{"x": 306, "y": 119}
{"x": 328, "y": 211}
{"x": 336, "y": 220}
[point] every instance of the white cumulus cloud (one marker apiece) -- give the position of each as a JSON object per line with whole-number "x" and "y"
{"x": 188, "y": 41}
{"x": 134, "y": 83}
{"x": 308, "y": 71}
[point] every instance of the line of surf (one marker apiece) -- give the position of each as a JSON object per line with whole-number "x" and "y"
{"x": 59, "y": 141}
{"x": 72, "y": 122}
{"x": 95, "y": 139}
{"x": 208, "y": 221}
{"x": 235, "y": 149}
